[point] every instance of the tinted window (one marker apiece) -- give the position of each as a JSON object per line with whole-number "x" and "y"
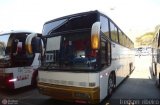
{"x": 159, "y": 39}
{"x": 125, "y": 40}
{"x": 3, "y": 43}
{"x": 114, "y": 34}
{"x": 50, "y": 26}
{"x": 104, "y": 25}
{"x": 70, "y": 23}
{"x": 121, "y": 37}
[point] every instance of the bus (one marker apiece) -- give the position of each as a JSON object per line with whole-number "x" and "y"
{"x": 156, "y": 57}
{"x": 86, "y": 57}
{"x": 20, "y": 56}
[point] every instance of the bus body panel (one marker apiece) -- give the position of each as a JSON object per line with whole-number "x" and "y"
{"x": 69, "y": 78}
{"x": 23, "y": 75}
{"x": 120, "y": 64}
{"x": 72, "y": 86}
{"x": 117, "y": 54}
{"x": 104, "y": 83}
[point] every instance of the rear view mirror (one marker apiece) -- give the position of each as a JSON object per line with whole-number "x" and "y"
{"x": 95, "y": 36}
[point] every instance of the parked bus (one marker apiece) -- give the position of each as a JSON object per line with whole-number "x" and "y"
{"x": 20, "y": 54}
{"x": 156, "y": 57}
{"x": 86, "y": 57}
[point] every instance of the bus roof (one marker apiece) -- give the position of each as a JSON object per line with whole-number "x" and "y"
{"x": 81, "y": 14}
{"x": 73, "y": 15}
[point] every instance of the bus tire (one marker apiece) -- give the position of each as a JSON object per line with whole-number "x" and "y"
{"x": 130, "y": 68}
{"x": 154, "y": 69}
{"x": 111, "y": 84}
{"x": 158, "y": 80}
{"x": 158, "y": 84}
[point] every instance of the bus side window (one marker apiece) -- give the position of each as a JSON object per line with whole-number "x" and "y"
{"x": 105, "y": 52}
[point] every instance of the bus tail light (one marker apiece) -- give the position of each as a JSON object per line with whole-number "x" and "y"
{"x": 12, "y": 80}
{"x": 95, "y": 36}
{"x": 81, "y": 101}
{"x": 9, "y": 80}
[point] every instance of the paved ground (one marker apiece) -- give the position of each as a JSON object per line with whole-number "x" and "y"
{"x": 140, "y": 85}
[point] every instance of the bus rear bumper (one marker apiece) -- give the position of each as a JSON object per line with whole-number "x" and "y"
{"x": 70, "y": 93}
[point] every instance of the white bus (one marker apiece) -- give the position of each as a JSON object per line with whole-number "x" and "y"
{"x": 19, "y": 59}
{"x": 86, "y": 57}
{"x": 156, "y": 57}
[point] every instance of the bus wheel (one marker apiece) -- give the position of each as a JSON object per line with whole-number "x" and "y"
{"x": 130, "y": 68}
{"x": 159, "y": 80}
{"x": 111, "y": 84}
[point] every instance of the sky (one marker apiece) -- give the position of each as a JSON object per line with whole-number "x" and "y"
{"x": 134, "y": 17}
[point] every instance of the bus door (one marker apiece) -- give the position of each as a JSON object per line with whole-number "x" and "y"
{"x": 105, "y": 52}
{"x": 108, "y": 53}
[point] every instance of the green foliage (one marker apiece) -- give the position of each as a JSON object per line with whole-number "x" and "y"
{"x": 145, "y": 39}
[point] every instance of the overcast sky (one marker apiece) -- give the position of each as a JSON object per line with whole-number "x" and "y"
{"x": 134, "y": 17}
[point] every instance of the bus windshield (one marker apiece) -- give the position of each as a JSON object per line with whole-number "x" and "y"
{"x": 70, "y": 51}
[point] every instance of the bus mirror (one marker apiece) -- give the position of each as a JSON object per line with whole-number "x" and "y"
{"x": 28, "y": 42}
{"x": 42, "y": 43}
{"x": 95, "y": 35}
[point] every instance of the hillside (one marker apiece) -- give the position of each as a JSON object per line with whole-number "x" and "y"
{"x": 146, "y": 39}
